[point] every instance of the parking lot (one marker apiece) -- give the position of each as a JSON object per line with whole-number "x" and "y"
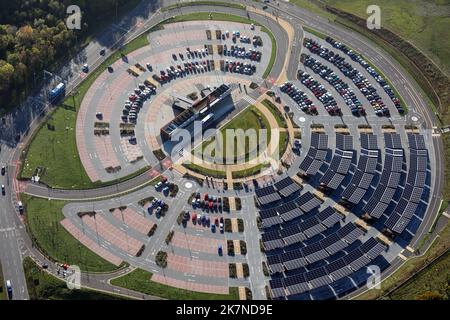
{"x": 121, "y": 114}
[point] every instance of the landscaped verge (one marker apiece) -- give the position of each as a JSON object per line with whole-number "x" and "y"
{"x": 43, "y": 219}
{"x": 43, "y": 286}
{"x": 204, "y": 3}
{"x": 140, "y": 280}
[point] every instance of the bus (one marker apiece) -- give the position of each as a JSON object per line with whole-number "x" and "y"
{"x": 57, "y": 92}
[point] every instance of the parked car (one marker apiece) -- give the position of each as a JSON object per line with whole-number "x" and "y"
{"x": 3, "y": 170}
{"x": 85, "y": 68}
{"x": 213, "y": 228}
{"x": 158, "y": 185}
{"x": 3, "y": 189}
{"x": 9, "y": 289}
{"x": 219, "y": 250}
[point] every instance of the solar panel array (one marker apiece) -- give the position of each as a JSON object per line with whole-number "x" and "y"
{"x": 365, "y": 171}
{"x": 323, "y": 275}
{"x": 316, "y": 154}
{"x": 412, "y": 193}
{"x": 390, "y": 177}
{"x": 308, "y": 249}
{"x": 289, "y": 210}
{"x": 296, "y": 232}
{"x": 340, "y": 164}
{"x": 281, "y": 189}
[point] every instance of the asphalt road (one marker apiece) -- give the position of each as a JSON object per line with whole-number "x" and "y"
{"x": 12, "y": 241}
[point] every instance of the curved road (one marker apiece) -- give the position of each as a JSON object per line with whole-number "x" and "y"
{"x": 17, "y": 241}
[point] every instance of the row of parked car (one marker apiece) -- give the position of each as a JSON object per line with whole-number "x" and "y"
{"x": 134, "y": 104}
{"x": 358, "y": 58}
{"x": 164, "y": 186}
{"x": 320, "y": 92}
{"x": 156, "y": 206}
{"x": 193, "y": 54}
{"x": 302, "y": 100}
{"x": 204, "y": 220}
{"x": 366, "y": 88}
{"x": 184, "y": 69}
{"x": 207, "y": 203}
{"x": 341, "y": 87}
{"x": 241, "y": 52}
{"x": 238, "y": 67}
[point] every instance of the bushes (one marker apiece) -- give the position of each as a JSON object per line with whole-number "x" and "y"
{"x": 240, "y": 224}
{"x": 265, "y": 269}
{"x": 144, "y": 201}
{"x": 161, "y": 259}
{"x": 173, "y": 188}
{"x": 139, "y": 253}
{"x": 259, "y": 222}
{"x": 180, "y": 218}
{"x": 152, "y": 230}
{"x": 268, "y": 295}
{"x": 169, "y": 236}
{"x": 238, "y": 203}
{"x": 230, "y": 247}
{"x": 243, "y": 246}
{"x": 248, "y": 294}
{"x": 232, "y": 270}
{"x": 164, "y": 209}
{"x": 226, "y": 204}
{"x": 245, "y": 270}
{"x": 237, "y": 186}
{"x": 261, "y": 246}
{"x": 227, "y": 225}
{"x": 159, "y": 154}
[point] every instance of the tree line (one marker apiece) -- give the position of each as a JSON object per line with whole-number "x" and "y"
{"x": 34, "y": 37}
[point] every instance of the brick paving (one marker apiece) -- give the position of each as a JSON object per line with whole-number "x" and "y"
{"x": 192, "y": 286}
{"x": 133, "y": 220}
{"x": 89, "y": 243}
{"x": 205, "y": 268}
{"x": 195, "y": 243}
{"x": 108, "y": 232}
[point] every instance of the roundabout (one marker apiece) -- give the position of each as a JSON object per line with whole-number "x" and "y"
{"x": 230, "y": 154}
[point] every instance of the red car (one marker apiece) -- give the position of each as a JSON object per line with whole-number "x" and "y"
{"x": 206, "y": 197}
{"x": 132, "y": 97}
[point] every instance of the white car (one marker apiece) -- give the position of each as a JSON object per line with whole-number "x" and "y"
{"x": 158, "y": 185}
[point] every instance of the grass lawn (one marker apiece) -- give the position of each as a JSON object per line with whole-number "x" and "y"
{"x": 281, "y": 121}
{"x": 202, "y": 2}
{"x": 205, "y": 171}
{"x": 43, "y": 286}
{"x": 315, "y": 32}
{"x": 433, "y": 278}
{"x": 3, "y": 293}
{"x": 250, "y": 118}
{"x": 43, "y": 222}
{"x": 56, "y": 151}
{"x": 139, "y": 280}
{"x": 424, "y": 23}
{"x": 283, "y": 143}
{"x": 248, "y": 172}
